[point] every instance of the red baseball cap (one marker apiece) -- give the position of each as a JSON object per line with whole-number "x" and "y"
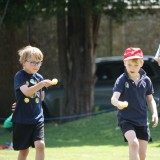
{"x": 133, "y": 53}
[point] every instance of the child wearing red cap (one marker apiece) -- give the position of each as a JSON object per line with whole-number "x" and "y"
{"x": 131, "y": 93}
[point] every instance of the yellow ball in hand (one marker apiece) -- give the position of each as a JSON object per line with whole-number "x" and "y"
{"x": 124, "y": 104}
{"x": 54, "y": 81}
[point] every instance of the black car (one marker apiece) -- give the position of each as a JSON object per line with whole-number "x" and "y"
{"x": 107, "y": 71}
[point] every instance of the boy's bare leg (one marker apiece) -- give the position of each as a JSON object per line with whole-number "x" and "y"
{"x": 23, "y": 154}
{"x": 39, "y": 146}
{"x": 142, "y": 149}
{"x": 133, "y": 144}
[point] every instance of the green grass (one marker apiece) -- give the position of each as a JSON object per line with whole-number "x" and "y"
{"x": 93, "y": 138}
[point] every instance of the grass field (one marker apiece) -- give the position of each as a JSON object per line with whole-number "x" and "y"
{"x": 92, "y": 138}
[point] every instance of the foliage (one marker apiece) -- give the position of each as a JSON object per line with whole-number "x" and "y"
{"x": 23, "y": 10}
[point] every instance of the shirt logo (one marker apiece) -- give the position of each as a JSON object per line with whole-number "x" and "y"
{"x": 32, "y": 81}
{"x": 126, "y": 84}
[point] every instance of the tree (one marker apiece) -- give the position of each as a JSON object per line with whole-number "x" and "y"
{"x": 77, "y": 31}
{"x": 77, "y": 28}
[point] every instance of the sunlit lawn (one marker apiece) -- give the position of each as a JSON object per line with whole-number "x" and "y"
{"x": 92, "y": 138}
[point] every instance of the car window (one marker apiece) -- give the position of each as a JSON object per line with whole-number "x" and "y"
{"x": 149, "y": 70}
{"x": 109, "y": 71}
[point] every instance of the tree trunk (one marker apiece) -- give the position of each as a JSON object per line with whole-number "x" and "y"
{"x": 77, "y": 35}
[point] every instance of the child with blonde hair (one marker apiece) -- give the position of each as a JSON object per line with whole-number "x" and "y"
{"x": 28, "y": 119}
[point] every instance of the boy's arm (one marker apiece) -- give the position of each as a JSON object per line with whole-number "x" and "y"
{"x": 153, "y": 108}
{"x": 43, "y": 95}
{"x": 115, "y": 101}
{"x": 28, "y": 91}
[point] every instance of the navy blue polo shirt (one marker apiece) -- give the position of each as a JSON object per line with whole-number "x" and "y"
{"x": 28, "y": 109}
{"x": 135, "y": 95}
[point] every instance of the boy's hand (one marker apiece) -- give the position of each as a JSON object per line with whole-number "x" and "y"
{"x": 122, "y": 105}
{"x": 155, "y": 120}
{"x": 47, "y": 83}
{"x": 13, "y": 106}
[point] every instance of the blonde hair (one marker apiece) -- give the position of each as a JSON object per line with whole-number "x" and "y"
{"x": 137, "y": 60}
{"x": 28, "y": 52}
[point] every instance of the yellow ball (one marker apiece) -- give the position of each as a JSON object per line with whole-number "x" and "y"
{"x": 125, "y": 104}
{"x": 54, "y": 81}
{"x": 26, "y": 100}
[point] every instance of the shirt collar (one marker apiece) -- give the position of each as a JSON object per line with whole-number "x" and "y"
{"x": 141, "y": 71}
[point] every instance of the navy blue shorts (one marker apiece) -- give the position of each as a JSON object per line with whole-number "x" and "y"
{"x": 142, "y": 132}
{"x": 24, "y": 135}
